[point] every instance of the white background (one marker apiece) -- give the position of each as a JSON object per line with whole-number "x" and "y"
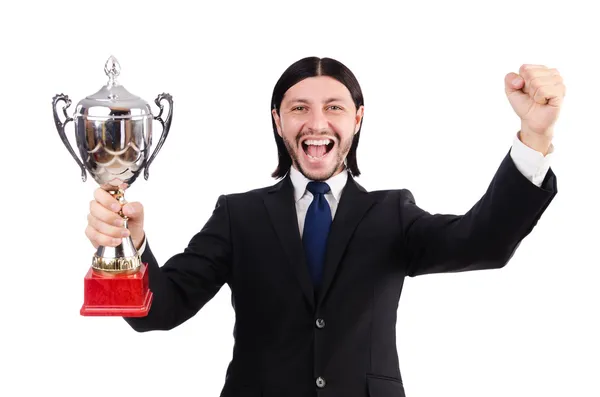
{"x": 436, "y": 121}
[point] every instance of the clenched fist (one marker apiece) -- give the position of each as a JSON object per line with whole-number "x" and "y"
{"x": 536, "y": 95}
{"x": 105, "y": 225}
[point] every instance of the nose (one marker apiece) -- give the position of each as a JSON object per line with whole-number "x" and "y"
{"x": 318, "y": 120}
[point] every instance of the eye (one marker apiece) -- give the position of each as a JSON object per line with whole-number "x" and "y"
{"x": 298, "y": 108}
{"x": 335, "y": 107}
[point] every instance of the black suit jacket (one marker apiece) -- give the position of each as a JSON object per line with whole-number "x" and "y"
{"x": 340, "y": 341}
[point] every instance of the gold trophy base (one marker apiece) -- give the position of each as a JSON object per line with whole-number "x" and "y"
{"x": 116, "y": 266}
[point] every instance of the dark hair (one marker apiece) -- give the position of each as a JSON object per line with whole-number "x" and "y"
{"x": 298, "y": 71}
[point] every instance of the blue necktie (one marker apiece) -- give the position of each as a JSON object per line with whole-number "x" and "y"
{"x": 316, "y": 229}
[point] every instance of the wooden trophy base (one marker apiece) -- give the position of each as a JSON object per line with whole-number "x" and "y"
{"x": 116, "y": 295}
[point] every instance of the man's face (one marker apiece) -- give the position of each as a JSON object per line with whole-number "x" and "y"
{"x": 317, "y": 121}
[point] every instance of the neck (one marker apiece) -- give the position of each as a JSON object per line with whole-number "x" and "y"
{"x": 340, "y": 169}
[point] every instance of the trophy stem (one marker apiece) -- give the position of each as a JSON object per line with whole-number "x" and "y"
{"x": 120, "y": 260}
{"x": 119, "y": 195}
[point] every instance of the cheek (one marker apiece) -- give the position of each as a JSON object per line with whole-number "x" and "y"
{"x": 345, "y": 128}
{"x": 290, "y": 127}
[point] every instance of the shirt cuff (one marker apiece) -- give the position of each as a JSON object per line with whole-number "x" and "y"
{"x": 143, "y": 247}
{"x": 531, "y": 163}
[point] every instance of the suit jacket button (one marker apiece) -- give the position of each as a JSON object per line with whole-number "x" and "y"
{"x": 320, "y": 323}
{"x": 320, "y": 382}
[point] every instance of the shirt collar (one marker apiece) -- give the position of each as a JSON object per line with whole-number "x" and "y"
{"x": 336, "y": 183}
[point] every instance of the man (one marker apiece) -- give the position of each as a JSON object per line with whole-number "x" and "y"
{"x": 315, "y": 299}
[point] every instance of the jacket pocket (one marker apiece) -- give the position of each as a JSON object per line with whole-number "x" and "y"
{"x": 384, "y": 386}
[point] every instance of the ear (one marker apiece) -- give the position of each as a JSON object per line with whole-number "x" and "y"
{"x": 277, "y": 121}
{"x": 359, "y": 116}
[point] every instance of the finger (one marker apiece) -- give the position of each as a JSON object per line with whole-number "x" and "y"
{"x": 541, "y": 73}
{"x": 89, "y": 233}
{"x": 538, "y": 82}
{"x": 531, "y": 73}
{"x": 104, "y": 214}
{"x": 528, "y": 68}
{"x": 134, "y": 210}
{"x": 98, "y": 238}
{"x": 106, "y": 199}
{"x": 535, "y": 73}
{"x": 106, "y": 229}
{"x": 550, "y": 94}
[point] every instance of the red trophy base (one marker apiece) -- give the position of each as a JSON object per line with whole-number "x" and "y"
{"x": 119, "y": 295}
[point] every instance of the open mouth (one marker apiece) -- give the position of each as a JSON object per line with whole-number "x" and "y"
{"x": 317, "y": 148}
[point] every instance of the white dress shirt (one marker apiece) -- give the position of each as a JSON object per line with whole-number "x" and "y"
{"x": 303, "y": 197}
{"x": 531, "y": 163}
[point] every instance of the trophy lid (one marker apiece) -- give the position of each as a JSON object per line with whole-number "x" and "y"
{"x": 113, "y": 101}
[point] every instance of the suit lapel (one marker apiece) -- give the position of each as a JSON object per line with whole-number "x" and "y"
{"x": 354, "y": 204}
{"x": 282, "y": 211}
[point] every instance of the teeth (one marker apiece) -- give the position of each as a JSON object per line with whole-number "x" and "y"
{"x": 317, "y": 142}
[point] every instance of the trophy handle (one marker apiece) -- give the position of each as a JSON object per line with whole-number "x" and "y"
{"x": 60, "y": 126}
{"x": 166, "y": 124}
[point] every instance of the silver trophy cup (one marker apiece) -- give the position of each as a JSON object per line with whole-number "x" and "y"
{"x": 113, "y": 131}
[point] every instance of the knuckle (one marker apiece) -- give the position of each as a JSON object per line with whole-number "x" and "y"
{"x": 535, "y": 83}
{"x": 95, "y": 209}
{"x": 97, "y": 194}
{"x": 523, "y": 69}
{"x": 103, "y": 197}
{"x": 91, "y": 234}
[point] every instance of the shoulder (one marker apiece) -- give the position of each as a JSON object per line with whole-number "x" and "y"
{"x": 249, "y": 196}
{"x": 397, "y": 194}
{"x": 394, "y": 197}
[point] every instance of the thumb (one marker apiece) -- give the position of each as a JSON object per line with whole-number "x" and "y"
{"x": 512, "y": 83}
{"x": 134, "y": 211}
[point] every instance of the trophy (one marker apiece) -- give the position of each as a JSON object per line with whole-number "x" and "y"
{"x": 113, "y": 131}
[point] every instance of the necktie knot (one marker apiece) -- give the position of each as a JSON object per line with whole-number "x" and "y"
{"x": 318, "y": 187}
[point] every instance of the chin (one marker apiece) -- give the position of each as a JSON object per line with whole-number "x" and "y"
{"x": 319, "y": 175}
{"x": 318, "y": 170}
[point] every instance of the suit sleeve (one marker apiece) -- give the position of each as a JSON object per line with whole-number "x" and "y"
{"x": 189, "y": 279}
{"x": 487, "y": 236}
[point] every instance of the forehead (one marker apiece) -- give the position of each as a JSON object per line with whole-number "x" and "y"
{"x": 317, "y": 89}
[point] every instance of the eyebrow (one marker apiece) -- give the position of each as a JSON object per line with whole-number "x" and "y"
{"x": 302, "y": 100}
